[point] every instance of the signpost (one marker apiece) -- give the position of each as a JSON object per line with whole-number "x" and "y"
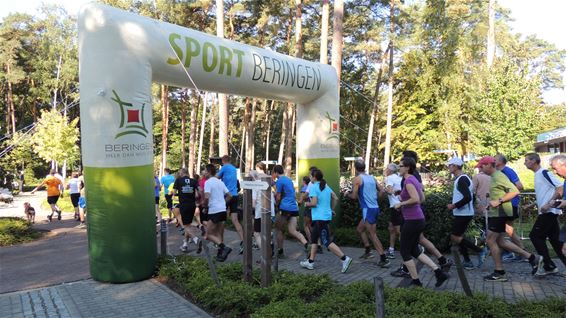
{"x": 247, "y": 227}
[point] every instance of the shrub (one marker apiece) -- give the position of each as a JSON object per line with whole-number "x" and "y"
{"x": 14, "y": 230}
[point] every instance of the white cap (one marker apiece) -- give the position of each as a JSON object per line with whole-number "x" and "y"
{"x": 455, "y": 161}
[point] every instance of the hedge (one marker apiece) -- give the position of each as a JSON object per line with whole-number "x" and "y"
{"x": 299, "y": 295}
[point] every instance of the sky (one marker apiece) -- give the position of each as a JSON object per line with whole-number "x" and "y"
{"x": 544, "y": 18}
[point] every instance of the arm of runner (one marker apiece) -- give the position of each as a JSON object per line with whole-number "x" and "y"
{"x": 463, "y": 187}
{"x": 355, "y": 188}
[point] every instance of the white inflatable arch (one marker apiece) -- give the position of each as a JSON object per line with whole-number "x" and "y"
{"x": 120, "y": 55}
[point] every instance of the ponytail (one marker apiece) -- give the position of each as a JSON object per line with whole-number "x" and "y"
{"x": 320, "y": 178}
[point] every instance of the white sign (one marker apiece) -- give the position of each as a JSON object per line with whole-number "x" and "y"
{"x": 254, "y": 185}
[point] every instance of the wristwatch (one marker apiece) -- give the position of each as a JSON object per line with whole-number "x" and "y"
{"x": 500, "y": 201}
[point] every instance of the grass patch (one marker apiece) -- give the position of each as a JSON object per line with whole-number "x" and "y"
{"x": 15, "y": 231}
{"x": 298, "y": 295}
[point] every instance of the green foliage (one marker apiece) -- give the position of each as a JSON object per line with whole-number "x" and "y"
{"x": 296, "y": 295}
{"x": 15, "y": 231}
{"x": 55, "y": 139}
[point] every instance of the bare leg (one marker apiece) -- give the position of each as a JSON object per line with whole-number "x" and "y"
{"x": 392, "y": 235}
{"x": 280, "y": 226}
{"x": 427, "y": 261}
{"x": 157, "y": 212}
{"x": 361, "y": 228}
{"x": 307, "y": 225}
{"x": 491, "y": 241}
{"x": 429, "y": 246}
{"x": 237, "y": 225}
{"x": 292, "y": 227}
{"x": 410, "y": 264}
{"x": 335, "y": 249}
{"x": 503, "y": 243}
{"x": 370, "y": 228}
{"x": 513, "y": 235}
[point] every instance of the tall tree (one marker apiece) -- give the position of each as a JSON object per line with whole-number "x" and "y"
{"x": 222, "y": 98}
{"x": 387, "y": 152}
{"x": 324, "y": 32}
{"x": 164, "y": 126}
{"x": 337, "y": 36}
{"x": 192, "y": 141}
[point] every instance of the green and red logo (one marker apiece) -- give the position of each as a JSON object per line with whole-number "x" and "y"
{"x": 131, "y": 118}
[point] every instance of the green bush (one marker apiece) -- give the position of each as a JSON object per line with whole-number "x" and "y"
{"x": 296, "y": 295}
{"x": 15, "y": 230}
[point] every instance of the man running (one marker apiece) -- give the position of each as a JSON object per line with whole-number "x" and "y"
{"x": 187, "y": 191}
{"x": 216, "y": 195}
{"x": 463, "y": 210}
{"x": 393, "y": 189}
{"x": 74, "y": 187}
{"x": 501, "y": 165}
{"x": 501, "y": 192}
{"x": 53, "y": 192}
{"x": 558, "y": 164}
{"x": 547, "y": 190}
{"x": 365, "y": 189}
{"x": 288, "y": 209}
{"x": 166, "y": 180}
{"x": 228, "y": 175}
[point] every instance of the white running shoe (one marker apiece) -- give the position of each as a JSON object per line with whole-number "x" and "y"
{"x": 306, "y": 264}
{"x": 346, "y": 264}
{"x": 184, "y": 248}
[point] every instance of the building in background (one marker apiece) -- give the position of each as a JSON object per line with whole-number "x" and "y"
{"x": 553, "y": 141}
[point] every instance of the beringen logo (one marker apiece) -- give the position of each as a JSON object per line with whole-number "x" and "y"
{"x": 131, "y": 118}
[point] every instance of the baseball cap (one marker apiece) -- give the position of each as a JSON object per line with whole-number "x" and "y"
{"x": 455, "y": 161}
{"x": 485, "y": 161}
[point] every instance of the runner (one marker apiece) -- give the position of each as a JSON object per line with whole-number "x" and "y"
{"x": 462, "y": 208}
{"x": 216, "y": 195}
{"x": 203, "y": 211}
{"x": 366, "y": 191}
{"x": 156, "y": 190}
{"x": 74, "y": 191}
{"x": 501, "y": 165}
{"x": 187, "y": 191}
{"x": 288, "y": 209}
{"x": 502, "y": 191}
{"x": 393, "y": 189}
{"x": 53, "y": 192}
{"x": 228, "y": 175}
{"x": 547, "y": 190}
{"x": 414, "y": 223}
{"x": 322, "y": 202}
{"x": 558, "y": 164}
{"x": 303, "y": 197}
{"x": 166, "y": 180}
{"x": 257, "y": 202}
{"x": 82, "y": 204}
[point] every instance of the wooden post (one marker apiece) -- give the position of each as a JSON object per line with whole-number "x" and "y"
{"x": 461, "y": 273}
{"x": 276, "y": 249}
{"x": 379, "y": 297}
{"x": 266, "y": 234}
{"x": 248, "y": 232}
{"x": 211, "y": 265}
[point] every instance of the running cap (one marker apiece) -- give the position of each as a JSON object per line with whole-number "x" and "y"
{"x": 486, "y": 160}
{"x": 455, "y": 161}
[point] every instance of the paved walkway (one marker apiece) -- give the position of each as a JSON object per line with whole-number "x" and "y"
{"x": 51, "y": 275}
{"x": 88, "y": 298}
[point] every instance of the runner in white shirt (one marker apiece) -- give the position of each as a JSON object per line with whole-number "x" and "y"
{"x": 74, "y": 191}
{"x": 547, "y": 189}
{"x": 215, "y": 196}
{"x": 393, "y": 188}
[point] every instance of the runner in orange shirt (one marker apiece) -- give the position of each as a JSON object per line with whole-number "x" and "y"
{"x": 53, "y": 183}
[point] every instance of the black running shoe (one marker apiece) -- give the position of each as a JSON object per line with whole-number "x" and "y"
{"x": 400, "y": 273}
{"x": 441, "y": 277}
{"x": 223, "y": 254}
{"x": 59, "y": 215}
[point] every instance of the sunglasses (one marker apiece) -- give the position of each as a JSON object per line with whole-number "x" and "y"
{"x": 401, "y": 166}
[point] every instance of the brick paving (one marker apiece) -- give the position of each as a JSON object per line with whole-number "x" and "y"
{"x": 88, "y": 298}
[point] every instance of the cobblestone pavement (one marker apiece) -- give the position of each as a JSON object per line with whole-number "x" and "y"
{"x": 93, "y": 299}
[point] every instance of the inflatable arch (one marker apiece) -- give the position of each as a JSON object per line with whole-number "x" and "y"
{"x": 120, "y": 55}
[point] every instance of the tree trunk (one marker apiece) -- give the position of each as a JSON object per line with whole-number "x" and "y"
{"x": 193, "y": 137}
{"x": 387, "y": 152}
{"x": 491, "y": 34}
{"x": 288, "y": 138}
{"x": 202, "y": 126}
{"x": 283, "y": 136}
{"x": 374, "y": 109}
{"x": 324, "y": 32}
{"x": 268, "y": 108}
{"x": 184, "y": 129}
{"x": 222, "y": 98}
{"x": 164, "y": 125}
{"x": 211, "y": 152}
{"x": 337, "y": 37}
{"x": 9, "y": 104}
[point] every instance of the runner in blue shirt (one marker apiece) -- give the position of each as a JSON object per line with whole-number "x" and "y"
{"x": 288, "y": 209}
{"x": 228, "y": 174}
{"x": 166, "y": 180}
{"x": 323, "y": 201}
{"x": 366, "y": 191}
